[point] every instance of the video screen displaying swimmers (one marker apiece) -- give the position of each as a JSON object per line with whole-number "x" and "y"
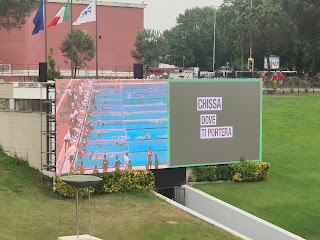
{"x": 109, "y": 125}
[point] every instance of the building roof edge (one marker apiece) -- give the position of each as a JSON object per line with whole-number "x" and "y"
{"x": 103, "y": 3}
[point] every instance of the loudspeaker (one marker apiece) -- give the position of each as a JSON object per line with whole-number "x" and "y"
{"x": 138, "y": 71}
{"x": 43, "y": 72}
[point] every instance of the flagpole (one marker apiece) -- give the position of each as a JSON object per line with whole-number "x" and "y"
{"x": 71, "y": 38}
{"x": 45, "y": 31}
{"x": 96, "y": 41}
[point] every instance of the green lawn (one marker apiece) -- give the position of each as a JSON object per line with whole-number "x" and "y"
{"x": 28, "y": 211}
{"x": 290, "y": 197}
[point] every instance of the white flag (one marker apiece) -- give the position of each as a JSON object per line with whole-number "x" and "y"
{"x": 87, "y": 15}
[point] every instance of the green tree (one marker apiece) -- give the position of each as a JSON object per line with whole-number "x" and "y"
{"x": 83, "y": 48}
{"x": 192, "y": 38}
{"x": 13, "y": 13}
{"x": 179, "y": 53}
{"x": 150, "y": 48}
{"x": 306, "y": 14}
{"x": 270, "y": 28}
{"x": 233, "y": 32}
{"x": 264, "y": 26}
{"x": 53, "y": 73}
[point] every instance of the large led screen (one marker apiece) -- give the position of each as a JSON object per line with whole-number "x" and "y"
{"x": 214, "y": 121}
{"x": 107, "y": 125}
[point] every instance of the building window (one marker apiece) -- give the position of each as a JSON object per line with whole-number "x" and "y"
{"x": 28, "y": 105}
{"x": 36, "y": 106}
{"x": 23, "y": 105}
{"x": 4, "y": 104}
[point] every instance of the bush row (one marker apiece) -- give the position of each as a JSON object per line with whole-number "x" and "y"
{"x": 113, "y": 182}
{"x": 243, "y": 171}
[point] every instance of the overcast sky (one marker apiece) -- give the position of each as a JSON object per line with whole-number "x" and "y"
{"x": 162, "y": 14}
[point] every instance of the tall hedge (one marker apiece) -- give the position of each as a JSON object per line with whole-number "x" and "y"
{"x": 244, "y": 171}
{"x": 114, "y": 182}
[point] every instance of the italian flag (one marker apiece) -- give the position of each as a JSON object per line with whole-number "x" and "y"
{"x": 62, "y": 15}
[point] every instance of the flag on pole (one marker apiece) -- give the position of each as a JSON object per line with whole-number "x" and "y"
{"x": 38, "y": 20}
{"x": 61, "y": 16}
{"x": 87, "y": 15}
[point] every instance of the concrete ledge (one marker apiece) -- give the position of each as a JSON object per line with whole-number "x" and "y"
{"x": 234, "y": 218}
{"x": 196, "y": 214}
{"x": 81, "y": 237}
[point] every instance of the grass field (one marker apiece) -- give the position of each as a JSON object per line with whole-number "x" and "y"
{"x": 290, "y": 197}
{"x": 28, "y": 211}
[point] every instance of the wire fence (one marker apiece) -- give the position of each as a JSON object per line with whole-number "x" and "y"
{"x": 292, "y": 85}
{"x": 30, "y": 72}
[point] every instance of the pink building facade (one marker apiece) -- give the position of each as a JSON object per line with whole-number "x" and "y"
{"x": 118, "y": 24}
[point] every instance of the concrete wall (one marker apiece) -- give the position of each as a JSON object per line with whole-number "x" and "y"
{"x": 6, "y": 90}
{"x": 118, "y": 25}
{"x": 234, "y": 218}
{"x": 29, "y": 91}
{"x": 24, "y": 141}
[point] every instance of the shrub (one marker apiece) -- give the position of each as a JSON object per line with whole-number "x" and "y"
{"x": 250, "y": 171}
{"x": 243, "y": 171}
{"x": 224, "y": 172}
{"x": 53, "y": 73}
{"x": 114, "y": 182}
{"x": 205, "y": 173}
{"x": 210, "y": 173}
{"x": 192, "y": 178}
{"x": 261, "y": 171}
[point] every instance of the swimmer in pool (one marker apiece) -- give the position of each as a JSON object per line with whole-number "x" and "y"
{"x": 119, "y": 144}
{"x": 147, "y": 136}
{"x": 129, "y": 95}
{"x": 91, "y": 154}
{"x": 117, "y": 113}
{"x": 102, "y": 147}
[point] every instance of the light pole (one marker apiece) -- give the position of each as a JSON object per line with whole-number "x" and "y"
{"x": 86, "y": 69}
{"x": 183, "y": 58}
{"x": 251, "y": 39}
{"x": 251, "y": 59}
{"x": 214, "y": 39}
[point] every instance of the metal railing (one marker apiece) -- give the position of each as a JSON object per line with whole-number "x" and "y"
{"x": 292, "y": 85}
{"x": 104, "y": 71}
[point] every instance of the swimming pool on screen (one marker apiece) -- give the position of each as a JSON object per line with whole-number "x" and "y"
{"x": 125, "y": 118}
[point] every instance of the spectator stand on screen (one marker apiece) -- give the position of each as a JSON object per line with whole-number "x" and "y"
{"x": 105, "y": 163}
{"x": 156, "y": 161}
{"x": 117, "y": 164}
{"x": 95, "y": 170}
{"x": 80, "y": 168}
{"x": 71, "y": 152}
{"x": 126, "y": 161}
{"x": 129, "y": 165}
{"x": 149, "y": 158}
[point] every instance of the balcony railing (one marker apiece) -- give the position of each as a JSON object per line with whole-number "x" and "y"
{"x": 104, "y": 71}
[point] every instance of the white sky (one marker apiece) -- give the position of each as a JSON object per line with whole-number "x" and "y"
{"x": 162, "y": 14}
